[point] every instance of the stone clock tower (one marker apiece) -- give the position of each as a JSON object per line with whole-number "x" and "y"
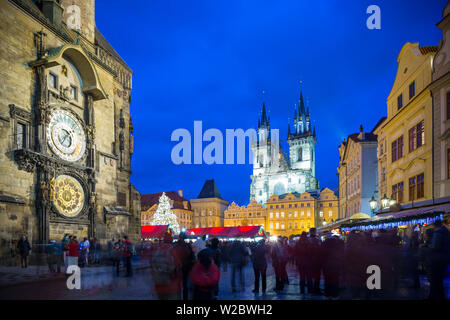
{"x": 65, "y": 126}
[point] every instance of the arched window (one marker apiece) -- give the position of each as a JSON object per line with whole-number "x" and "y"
{"x": 300, "y": 154}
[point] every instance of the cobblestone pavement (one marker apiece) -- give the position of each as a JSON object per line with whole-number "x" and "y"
{"x": 107, "y": 286}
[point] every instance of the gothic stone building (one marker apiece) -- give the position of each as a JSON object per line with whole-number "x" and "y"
{"x": 273, "y": 173}
{"x": 65, "y": 126}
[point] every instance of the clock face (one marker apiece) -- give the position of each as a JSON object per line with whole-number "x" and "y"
{"x": 68, "y": 196}
{"x": 66, "y": 136}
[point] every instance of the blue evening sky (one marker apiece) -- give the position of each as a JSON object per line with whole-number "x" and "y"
{"x": 210, "y": 60}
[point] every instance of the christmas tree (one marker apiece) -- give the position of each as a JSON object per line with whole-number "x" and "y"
{"x": 164, "y": 215}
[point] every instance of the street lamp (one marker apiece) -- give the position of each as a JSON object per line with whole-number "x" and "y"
{"x": 373, "y": 204}
{"x": 324, "y": 222}
{"x": 392, "y": 201}
{"x": 384, "y": 201}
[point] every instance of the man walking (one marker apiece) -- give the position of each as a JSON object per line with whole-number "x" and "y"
{"x": 259, "y": 261}
{"x": 127, "y": 253}
{"x": 24, "y": 250}
{"x": 237, "y": 257}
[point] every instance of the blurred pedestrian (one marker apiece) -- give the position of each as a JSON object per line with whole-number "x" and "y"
{"x": 65, "y": 248}
{"x": 259, "y": 261}
{"x": 315, "y": 270}
{"x": 302, "y": 261}
{"x": 439, "y": 259}
{"x": 127, "y": 254}
{"x": 24, "y": 250}
{"x": 216, "y": 255}
{"x": 54, "y": 256}
{"x": 238, "y": 255}
{"x": 186, "y": 257}
{"x": 205, "y": 276}
{"x": 279, "y": 259}
{"x": 116, "y": 256}
{"x": 74, "y": 252}
{"x": 165, "y": 269}
{"x": 333, "y": 252}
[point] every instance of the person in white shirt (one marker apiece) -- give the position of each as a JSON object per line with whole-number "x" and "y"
{"x": 199, "y": 245}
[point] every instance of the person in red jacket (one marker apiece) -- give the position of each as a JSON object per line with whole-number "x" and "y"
{"x": 74, "y": 251}
{"x": 205, "y": 275}
{"x": 127, "y": 253}
{"x": 165, "y": 268}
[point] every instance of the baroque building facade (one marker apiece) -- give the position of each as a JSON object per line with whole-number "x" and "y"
{"x": 273, "y": 171}
{"x": 254, "y": 214}
{"x": 209, "y": 207}
{"x": 291, "y": 213}
{"x": 440, "y": 88}
{"x": 65, "y": 126}
{"x": 357, "y": 173}
{"x": 179, "y": 205}
{"x": 405, "y": 137}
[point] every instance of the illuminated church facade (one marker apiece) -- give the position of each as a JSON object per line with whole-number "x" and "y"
{"x": 274, "y": 172}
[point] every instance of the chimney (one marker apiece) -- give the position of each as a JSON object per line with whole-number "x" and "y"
{"x": 180, "y": 192}
{"x": 362, "y": 135}
{"x": 53, "y": 11}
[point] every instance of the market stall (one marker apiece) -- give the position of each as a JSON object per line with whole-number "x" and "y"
{"x": 230, "y": 233}
{"x": 155, "y": 232}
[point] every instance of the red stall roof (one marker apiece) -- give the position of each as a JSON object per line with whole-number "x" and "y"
{"x": 231, "y": 232}
{"x": 157, "y": 231}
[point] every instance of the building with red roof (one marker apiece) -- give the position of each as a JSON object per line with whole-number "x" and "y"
{"x": 179, "y": 205}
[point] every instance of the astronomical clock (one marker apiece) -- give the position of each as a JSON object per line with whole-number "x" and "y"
{"x": 69, "y": 127}
{"x": 65, "y": 135}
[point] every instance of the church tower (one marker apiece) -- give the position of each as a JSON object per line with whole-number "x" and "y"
{"x": 302, "y": 143}
{"x": 262, "y": 147}
{"x": 272, "y": 173}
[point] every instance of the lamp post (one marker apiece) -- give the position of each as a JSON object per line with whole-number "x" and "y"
{"x": 392, "y": 201}
{"x": 373, "y": 204}
{"x": 384, "y": 202}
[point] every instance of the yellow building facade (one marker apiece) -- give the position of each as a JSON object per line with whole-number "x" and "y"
{"x": 253, "y": 214}
{"x": 357, "y": 173}
{"x": 291, "y": 214}
{"x": 405, "y": 137}
{"x": 441, "y": 104}
{"x": 209, "y": 207}
{"x": 328, "y": 207}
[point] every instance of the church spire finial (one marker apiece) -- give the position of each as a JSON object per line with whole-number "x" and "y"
{"x": 264, "y": 121}
{"x": 301, "y": 103}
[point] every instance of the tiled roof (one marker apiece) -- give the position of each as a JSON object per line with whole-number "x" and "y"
{"x": 368, "y": 137}
{"x": 425, "y": 50}
{"x": 102, "y": 42}
{"x": 209, "y": 190}
{"x": 148, "y": 200}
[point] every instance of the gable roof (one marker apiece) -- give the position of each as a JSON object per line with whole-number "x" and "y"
{"x": 425, "y": 50}
{"x": 148, "y": 200}
{"x": 209, "y": 190}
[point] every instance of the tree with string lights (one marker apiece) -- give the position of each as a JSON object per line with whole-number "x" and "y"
{"x": 164, "y": 214}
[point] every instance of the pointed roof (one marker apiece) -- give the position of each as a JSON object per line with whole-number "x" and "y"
{"x": 301, "y": 105}
{"x": 209, "y": 190}
{"x": 264, "y": 121}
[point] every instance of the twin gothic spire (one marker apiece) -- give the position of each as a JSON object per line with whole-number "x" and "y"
{"x": 302, "y": 123}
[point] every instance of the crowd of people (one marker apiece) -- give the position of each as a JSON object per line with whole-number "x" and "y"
{"x": 183, "y": 270}
{"x": 87, "y": 252}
